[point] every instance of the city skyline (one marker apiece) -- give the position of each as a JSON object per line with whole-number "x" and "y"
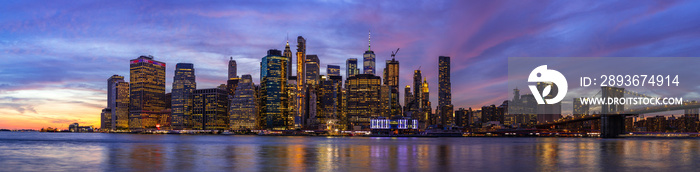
{"x": 58, "y": 69}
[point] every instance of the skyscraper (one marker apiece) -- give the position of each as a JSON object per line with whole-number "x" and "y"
{"x": 363, "y": 100}
{"x": 333, "y": 70}
{"x": 243, "y": 109}
{"x": 301, "y": 82}
{"x": 120, "y": 113}
{"x": 111, "y": 84}
{"x": 274, "y": 91}
{"x": 288, "y": 54}
{"x": 312, "y": 69}
{"x": 368, "y": 62}
{"x": 183, "y": 87}
{"x": 327, "y": 106}
{"x": 351, "y": 67}
{"x": 232, "y": 69}
{"x": 147, "y": 92}
{"x": 426, "y": 109}
{"x": 445, "y": 84}
{"x": 417, "y": 84}
{"x": 118, "y": 103}
{"x": 233, "y": 79}
{"x": 391, "y": 79}
{"x": 445, "y": 90}
{"x": 407, "y": 99}
{"x": 210, "y": 109}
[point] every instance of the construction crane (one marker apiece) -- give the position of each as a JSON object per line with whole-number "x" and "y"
{"x": 393, "y": 54}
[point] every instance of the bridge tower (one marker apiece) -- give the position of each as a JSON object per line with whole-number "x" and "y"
{"x": 612, "y": 125}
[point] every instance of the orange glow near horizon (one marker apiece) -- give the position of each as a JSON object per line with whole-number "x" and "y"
{"x": 56, "y": 108}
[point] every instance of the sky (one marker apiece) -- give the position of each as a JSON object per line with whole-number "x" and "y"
{"x": 56, "y": 56}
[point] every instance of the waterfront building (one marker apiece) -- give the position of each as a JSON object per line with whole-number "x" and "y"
{"x": 120, "y": 113}
{"x": 445, "y": 91}
{"x": 183, "y": 87}
{"x": 274, "y": 91}
{"x": 386, "y": 126}
{"x": 243, "y": 111}
{"x": 112, "y": 100}
{"x": 106, "y": 119}
{"x": 327, "y": 105}
{"x": 446, "y": 115}
{"x": 147, "y": 94}
{"x": 301, "y": 83}
{"x": 210, "y": 110}
{"x": 118, "y": 103}
{"x": 462, "y": 117}
{"x": 363, "y": 101}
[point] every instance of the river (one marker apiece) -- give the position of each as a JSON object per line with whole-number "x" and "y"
{"x": 35, "y": 151}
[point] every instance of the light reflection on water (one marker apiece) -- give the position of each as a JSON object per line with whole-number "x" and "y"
{"x": 110, "y": 152}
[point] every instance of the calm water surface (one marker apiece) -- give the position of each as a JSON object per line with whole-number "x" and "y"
{"x": 33, "y": 151}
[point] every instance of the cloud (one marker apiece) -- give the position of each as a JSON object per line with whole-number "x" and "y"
{"x": 74, "y": 47}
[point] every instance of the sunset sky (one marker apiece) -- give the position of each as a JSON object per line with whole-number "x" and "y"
{"x": 56, "y": 56}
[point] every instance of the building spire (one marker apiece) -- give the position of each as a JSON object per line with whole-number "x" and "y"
{"x": 287, "y": 39}
{"x": 369, "y": 40}
{"x": 231, "y": 57}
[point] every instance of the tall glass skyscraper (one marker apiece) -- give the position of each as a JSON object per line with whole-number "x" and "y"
{"x": 445, "y": 91}
{"x": 183, "y": 87}
{"x": 147, "y": 94}
{"x": 273, "y": 86}
{"x": 243, "y": 111}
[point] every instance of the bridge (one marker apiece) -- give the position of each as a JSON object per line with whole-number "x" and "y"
{"x": 612, "y": 123}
